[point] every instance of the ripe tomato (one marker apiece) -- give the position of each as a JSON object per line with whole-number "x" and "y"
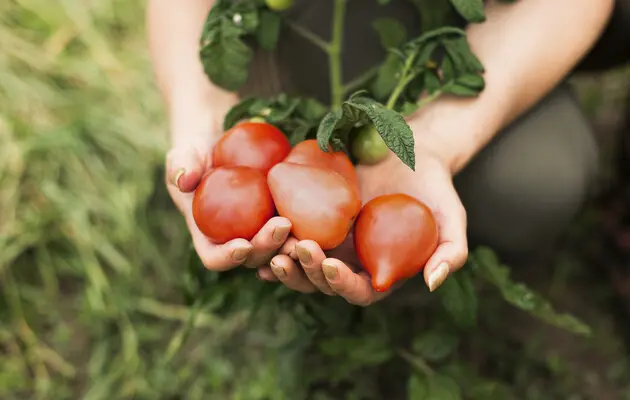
{"x": 251, "y": 144}
{"x": 309, "y": 153}
{"x": 279, "y": 5}
{"x": 394, "y": 237}
{"x": 232, "y": 202}
{"x": 368, "y": 147}
{"x": 319, "y": 202}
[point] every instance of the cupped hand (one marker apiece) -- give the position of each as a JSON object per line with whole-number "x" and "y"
{"x": 303, "y": 266}
{"x": 186, "y": 163}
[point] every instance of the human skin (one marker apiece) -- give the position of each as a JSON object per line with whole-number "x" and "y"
{"x": 527, "y": 48}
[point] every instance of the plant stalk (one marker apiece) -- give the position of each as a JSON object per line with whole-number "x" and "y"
{"x": 334, "y": 55}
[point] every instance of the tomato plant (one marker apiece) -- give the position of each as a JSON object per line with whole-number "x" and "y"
{"x": 394, "y": 236}
{"x": 368, "y": 147}
{"x": 319, "y": 202}
{"x": 251, "y": 144}
{"x": 231, "y": 203}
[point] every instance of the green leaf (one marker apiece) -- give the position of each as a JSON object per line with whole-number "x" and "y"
{"x": 392, "y": 33}
{"x": 224, "y": 55}
{"x": 460, "y": 90}
{"x": 327, "y": 128}
{"x": 472, "y": 81}
{"x": 299, "y": 134}
{"x": 484, "y": 263}
{"x": 435, "y": 345}
{"x": 442, "y": 387}
{"x": 268, "y": 30}
{"x": 431, "y": 82}
{"x": 386, "y": 77}
{"x": 391, "y": 126}
{"x": 471, "y": 10}
{"x": 238, "y": 112}
{"x": 417, "y": 387}
{"x": 408, "y": 108}
{"x": 311, "y": 110}
{"x": 459, "y": 299}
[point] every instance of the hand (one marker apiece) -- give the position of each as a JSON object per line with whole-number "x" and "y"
{"x": 431, "y": 183}
{"x": 186, "y": 163}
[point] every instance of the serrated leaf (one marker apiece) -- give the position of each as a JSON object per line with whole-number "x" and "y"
{"x": 392, "y": 32}
{"x": 472, "y": 81}
{"x": 238, "y": 112}
{"x": 470, "y": 10}
{"x": 459, "y": 299}
{"x": 435, "y": 345}
{"x": 224, "y": 55}
{"x": 484, "y": 263}
{"x": 268, "y": 30}
{"x": 391, "y": 126}
{"x": 460, "y": 90}
{"x": 417, "y": 387}
{"x": 327, "y": 128}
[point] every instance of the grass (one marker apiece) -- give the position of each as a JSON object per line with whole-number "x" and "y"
{"x": 93, "y": 255}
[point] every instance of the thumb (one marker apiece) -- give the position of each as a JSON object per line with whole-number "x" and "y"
{"x": 184, "y": 168}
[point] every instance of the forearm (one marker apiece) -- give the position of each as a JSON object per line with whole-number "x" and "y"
{"x": 174, "y": 29}
{"x": 526, "y": 48}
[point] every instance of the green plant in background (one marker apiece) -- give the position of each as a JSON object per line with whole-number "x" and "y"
{"x": 96, "y": 300}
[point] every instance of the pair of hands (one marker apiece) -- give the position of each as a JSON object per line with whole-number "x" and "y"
{"x": 302, "y": 265}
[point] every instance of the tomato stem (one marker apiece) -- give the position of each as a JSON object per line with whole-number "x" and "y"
{"x": 310, "y": 36}
{"x": 405, "y": 79}
{"x": 334, "y": 55}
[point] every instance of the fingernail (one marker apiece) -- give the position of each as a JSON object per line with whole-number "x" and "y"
{"x": 277, "y": 271}
{"x": 178, "y": 175}
{"x": 303, "y": 254}
{"x": 330, "y": 271}
{"x": 280, "y": 233}
{"x": 438, "y": 276}
{"x": 240, "y": 253}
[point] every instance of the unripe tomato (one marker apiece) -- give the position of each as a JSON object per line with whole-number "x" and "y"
{"x": 279, "y": 5}
{"x": 368, "y": 146}
{"x": 251, "y": 144}
{"x": 309, "y": 153}
{"x": 394, "y": 237}
{"x": 231, "y": 203}
{"x": 319, "y": 202}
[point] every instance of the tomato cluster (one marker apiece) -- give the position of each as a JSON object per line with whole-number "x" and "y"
{"x": 255, "y": 174}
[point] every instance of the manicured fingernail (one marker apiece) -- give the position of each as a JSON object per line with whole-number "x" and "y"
{"x": 240, "y": 254}
{"x": 278, "y": 271}
{"x": 330, "y": 271}
{"x": 178, "y": 175}
{"x": 303, "y": 254}
{"x": 438, "y": 276}
{"x": 280, "y": 233}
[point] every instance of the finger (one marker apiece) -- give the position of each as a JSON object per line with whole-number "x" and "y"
{"x": 311, "y": 257}
{"x": 266, "y": 274}
{"x": 288, "y": 272}
{"x": 355, "y": 288}
{"x": 267, "y": 241}
{"x": 452, "y": 250}
{"x": 184, "y": 168}
{"x": 288, "y": 248}
{"x": 218, "y": 257}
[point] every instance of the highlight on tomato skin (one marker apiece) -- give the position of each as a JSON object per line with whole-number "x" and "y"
{"x": 308, "y": 153}
{"x": 394, "y": 237}
{"x": 368, "y": 147}
{"x": 319, "y": 202}
{"x": 256, "y": 145}
{"x": 231, "y": 203}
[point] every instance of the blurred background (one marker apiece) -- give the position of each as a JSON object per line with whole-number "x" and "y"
{"x": 93, "y": 256}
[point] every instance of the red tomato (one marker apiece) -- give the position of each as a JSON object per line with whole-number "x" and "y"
{"x": 319, "y": 202}
{"x": 309, "y": 153}
{"x": 394, "y": 237}
{"x": 251, "y": 144}
{"x": 232, "y": 202}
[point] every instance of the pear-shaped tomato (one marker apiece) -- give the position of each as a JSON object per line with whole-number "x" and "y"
{"x": 232, "y": 202}
{"x": 309, "y": 153}
{"x": 394, "y": 237}
{"x": 257, "y": 145}
{"x": 319, "y": 202}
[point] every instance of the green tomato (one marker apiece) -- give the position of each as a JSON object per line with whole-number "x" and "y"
{"x": 279, "y": 5}
{"x": 368, "y": 147}
{"x": 257, "y": 119}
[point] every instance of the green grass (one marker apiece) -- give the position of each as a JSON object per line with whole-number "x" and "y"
{"x": 94, "y": 258}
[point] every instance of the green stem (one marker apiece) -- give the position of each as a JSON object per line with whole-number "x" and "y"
{"x": 406, "y": 78}
{"x": 360, "y": 80}
{"x": 428, "y": 99}
{"x": 416, "y": 361}
{"x": 334, "y": 55}
{"x": 310, "y": 36}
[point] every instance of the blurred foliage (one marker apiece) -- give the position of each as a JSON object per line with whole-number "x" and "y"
{"x": 99, "y": 300}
